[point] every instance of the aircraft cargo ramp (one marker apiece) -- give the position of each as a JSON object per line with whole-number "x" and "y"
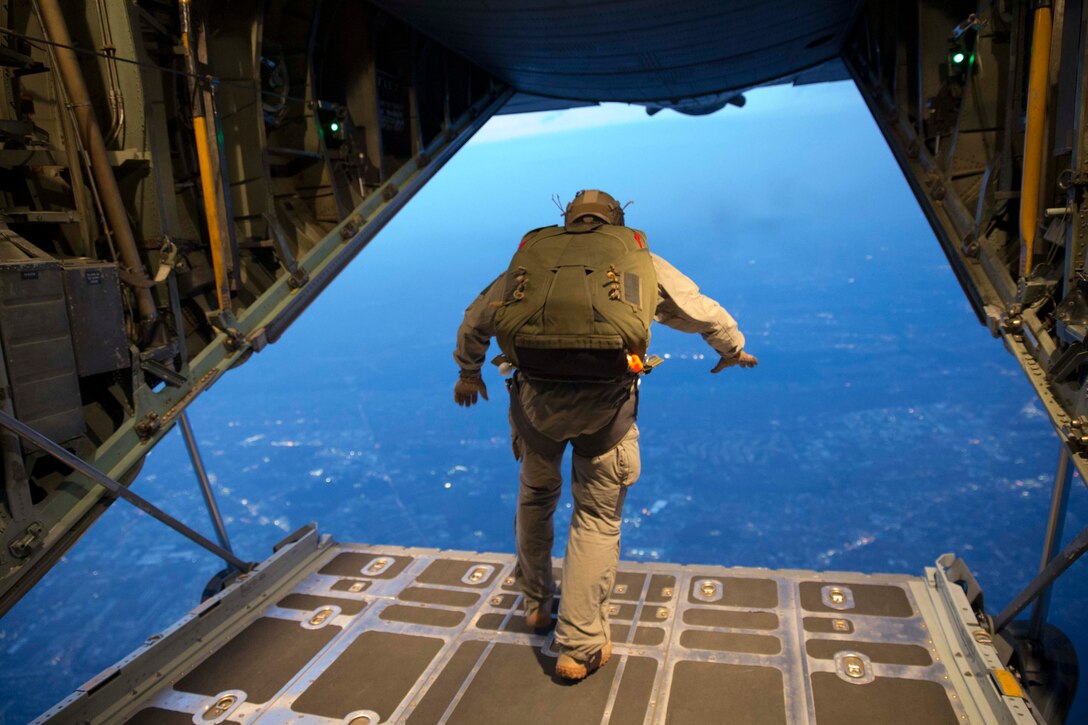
{"x": 351, "y": 633}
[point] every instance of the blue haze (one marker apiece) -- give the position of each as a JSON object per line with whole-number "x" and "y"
{"x": 882, "y": 428}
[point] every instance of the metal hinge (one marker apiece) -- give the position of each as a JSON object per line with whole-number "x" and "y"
{"x": 28, "y": 543}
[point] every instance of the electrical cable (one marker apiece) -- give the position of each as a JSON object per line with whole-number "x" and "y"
{"x": 152, "y": 66}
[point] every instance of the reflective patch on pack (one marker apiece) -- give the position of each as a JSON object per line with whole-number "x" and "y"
{"x": 632, "y": 290}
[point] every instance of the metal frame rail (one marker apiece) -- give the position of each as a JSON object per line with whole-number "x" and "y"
{"x": 116, "y": 489}
{"x": 958, "y": 135}
{"x": 260, "y": 324}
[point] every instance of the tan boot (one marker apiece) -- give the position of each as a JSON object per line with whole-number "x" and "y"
{"x": 538, "y": 617}
{"x": 571, "y": 669}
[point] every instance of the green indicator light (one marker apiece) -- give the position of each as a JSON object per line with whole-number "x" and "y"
{"x": 334, "y": 126}
{"x": 958, "y": 58}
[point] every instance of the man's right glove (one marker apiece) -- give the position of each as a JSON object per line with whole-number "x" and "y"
{"x": 466, "y": 390}
{"x": 744, "y": 360}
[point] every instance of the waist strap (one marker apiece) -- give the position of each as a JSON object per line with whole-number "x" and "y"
{"x": 588, "y": 445}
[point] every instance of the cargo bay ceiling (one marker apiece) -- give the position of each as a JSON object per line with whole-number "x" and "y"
{"x": 182, "y": 178}
{"x": 692, "y": 55}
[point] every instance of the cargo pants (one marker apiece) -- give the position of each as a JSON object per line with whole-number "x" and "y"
{"x": 599, "y": 486}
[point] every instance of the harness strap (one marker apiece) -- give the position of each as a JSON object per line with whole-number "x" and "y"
{"x": 589, "y": 445}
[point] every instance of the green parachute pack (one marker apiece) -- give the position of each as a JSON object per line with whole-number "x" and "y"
{"x": 577, "y": 303}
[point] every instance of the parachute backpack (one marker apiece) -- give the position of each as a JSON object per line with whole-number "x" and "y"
{"x": 579, "y": 298}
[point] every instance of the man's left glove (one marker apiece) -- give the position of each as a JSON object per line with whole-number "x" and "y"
{"x": 743, "y": 359}
{"x": 467, "y": 388}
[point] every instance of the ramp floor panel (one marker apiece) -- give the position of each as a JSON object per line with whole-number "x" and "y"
{"x": 385, "y": 634}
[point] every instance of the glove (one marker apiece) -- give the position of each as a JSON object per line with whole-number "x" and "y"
{"x": 466, "y": 390}
{"x": 744, "y": 360}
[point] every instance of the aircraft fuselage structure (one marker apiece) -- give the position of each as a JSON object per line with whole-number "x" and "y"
{"x": 181, "y": 179}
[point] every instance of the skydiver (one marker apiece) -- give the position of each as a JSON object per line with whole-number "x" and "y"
{"x": 569, "y": 318}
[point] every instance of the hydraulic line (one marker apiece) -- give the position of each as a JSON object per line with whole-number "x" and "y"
{"x": 204, "y": 160}
{"x": 1038, "y": 82}
{"x": 91, "y": 135}
{"x": 117, "y": 100}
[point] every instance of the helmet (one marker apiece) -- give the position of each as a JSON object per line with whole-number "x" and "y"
{"x": 596, "y": 204}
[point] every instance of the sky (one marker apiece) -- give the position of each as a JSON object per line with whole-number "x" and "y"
{"x": 882, "y": 428}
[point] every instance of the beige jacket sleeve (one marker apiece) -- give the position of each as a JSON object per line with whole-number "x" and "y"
{"x": 682, "y": 307}
{"x": 478, "y": 327}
